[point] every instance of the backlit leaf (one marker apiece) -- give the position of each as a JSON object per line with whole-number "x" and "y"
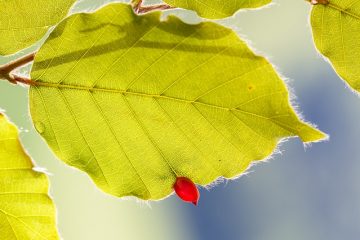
{"x": 215, "y": 9}
{"x": 135, "y": 101}
{"x": 337, "y": 36}
{"x": 26, "y": 211}
{"x": 23, "y": 22}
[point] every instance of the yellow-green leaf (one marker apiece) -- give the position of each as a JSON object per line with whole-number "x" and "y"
{"x": 26, "y": 211}
{"x": 216, "y": 9}
{"x": 135, "y": 101}
{"x": 23, "y": 22}
{"x": 336, "y": 34}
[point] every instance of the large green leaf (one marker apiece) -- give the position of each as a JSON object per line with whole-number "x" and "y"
{"x": 215, "y": 9}
{"x": 23, "y": 22}
{"x": 336, "y": 34}
{"x": 135, "y": 101}
{"x": 26, "y": 211}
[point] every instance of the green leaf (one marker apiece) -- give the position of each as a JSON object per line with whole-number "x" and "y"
{"x": 135, "y": 101}
{"x": 216, "y": 9}
{"x": 23, "y": 22}
{"x": 336, "y": 34}
{"x": 26, "y": 211}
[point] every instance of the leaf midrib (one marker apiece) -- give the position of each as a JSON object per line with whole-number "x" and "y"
{"x": 157, "y": 96}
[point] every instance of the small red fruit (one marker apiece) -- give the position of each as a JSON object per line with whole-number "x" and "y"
{"x": 186, "y": 190}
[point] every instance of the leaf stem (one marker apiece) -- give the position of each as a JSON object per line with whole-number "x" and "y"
{"x": 139, "y": 8}
{"x": 7, "y": 69}
{"x": 18, "y": 79}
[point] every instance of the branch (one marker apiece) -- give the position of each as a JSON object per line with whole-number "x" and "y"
{"x": 7, "y": 69}
{"x": 136, "y": 5}
{"x": 316, "y": 2}
{"x": 139, "y": 8}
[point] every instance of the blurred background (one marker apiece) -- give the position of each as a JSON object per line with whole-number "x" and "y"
{"x": 308, "y": 193}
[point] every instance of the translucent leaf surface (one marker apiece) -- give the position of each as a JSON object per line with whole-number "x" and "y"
{"x": 135, "y": 101}
{"x": 26, "y": 211}
{"x": 215, "y": 9}
{"x": 336, "y": 34}
{"x": 23, "y": 22}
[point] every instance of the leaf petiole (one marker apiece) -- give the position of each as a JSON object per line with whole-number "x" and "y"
{"x": 7, "y": 69}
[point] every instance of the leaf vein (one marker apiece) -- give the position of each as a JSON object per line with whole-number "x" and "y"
{"x": 48, "y": 117}
{"x": 117, "y": 140}
{"x": 124, "y": 54}
{"x": 343, "y": 10}
{"x": 19, "y": 220}
{"x": 185, "y": 135}
{"x": 193, "y": 69}
{"x": 217, "y": 130}
{"x": 82, "y": 134}
{"x": 229, "y": 81}
{"x": 161, "y": 57}
{"x": 146, "y": 132}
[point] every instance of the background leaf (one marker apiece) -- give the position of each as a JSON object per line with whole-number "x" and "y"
{"x": 135, "y": 101}
{"x": 216, "y": 9}
{"x": 26, "y": 211}
{"x": 336, "y": 34}
{"x": 23, "y": 22}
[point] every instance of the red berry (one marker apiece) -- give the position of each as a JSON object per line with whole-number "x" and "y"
{"x": 186, "y": 190}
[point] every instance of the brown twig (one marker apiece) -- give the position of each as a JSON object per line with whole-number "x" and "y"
{"x": 140, "y": 9}
{"x": 7, "y": 69}
{"x": 146, "y": 9}
{"x": 136, "y": 5}
{"x": 316, "y": 2}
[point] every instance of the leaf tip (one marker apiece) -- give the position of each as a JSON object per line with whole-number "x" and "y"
{"x": 310, "y": 133}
